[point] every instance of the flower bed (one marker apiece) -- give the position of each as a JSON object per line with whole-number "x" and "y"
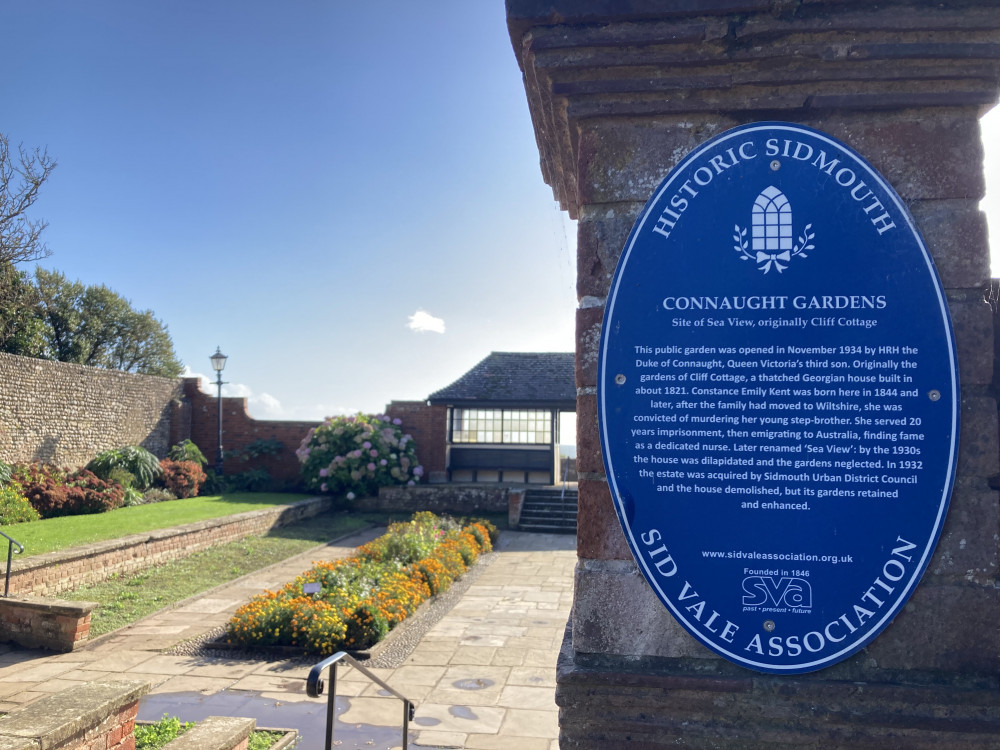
{"x": 353, "y": 603}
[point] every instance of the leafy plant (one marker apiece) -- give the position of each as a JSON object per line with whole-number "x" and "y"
{"x": 132, "y": 497}
{"x": 157, "y": 495}
{"x": 187, "y": 451}
{"x": 5, "y": 473}
{"x": 357, "y": 455}
{"x": 121, "y": 477}
{"x": 183, "y": 478}
{"x": 138, "y": 461}
{"x": 252, "y": 480}
{"x": 261, "y": 739}
{"x": 14, "y": 507}
{"x": 154, "y": 736}
{"x": 256, "y": 449}
{"x": 53, "y": 494}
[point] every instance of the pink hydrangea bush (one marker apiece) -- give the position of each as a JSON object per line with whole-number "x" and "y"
{"x": 357, "y": 455}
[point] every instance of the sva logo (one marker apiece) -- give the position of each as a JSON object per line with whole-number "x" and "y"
{"x": 762, "y": 591}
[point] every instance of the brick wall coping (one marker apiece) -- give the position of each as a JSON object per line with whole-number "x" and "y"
{"x": 214, "y": 733}
{"x": 85, "y": 551}
{"x": 41, "y": 622}
{"x": 49, "y": 605}
{"x": 57, "y": 718}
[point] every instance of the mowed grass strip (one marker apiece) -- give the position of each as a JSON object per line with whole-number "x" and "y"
{"x": 124, "y": 599}
{"x": 51, "y": 534}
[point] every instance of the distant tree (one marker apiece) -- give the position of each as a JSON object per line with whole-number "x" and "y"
{"x": 92, "y": 325}
{"x": 22, "y": 175}
{"x": 21, "y": 329}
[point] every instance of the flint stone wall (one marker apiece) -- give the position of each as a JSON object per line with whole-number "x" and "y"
{"x": 65, "y": 414}
{"x": 618, "y": 94}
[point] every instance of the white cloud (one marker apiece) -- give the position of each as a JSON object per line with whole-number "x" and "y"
{"x": 423, "y": 322}
{"x": 259, "y": 405}
{"x": 268, "y": 406}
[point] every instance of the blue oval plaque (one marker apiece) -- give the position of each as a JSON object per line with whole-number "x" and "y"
{"x": 778, "y": 398}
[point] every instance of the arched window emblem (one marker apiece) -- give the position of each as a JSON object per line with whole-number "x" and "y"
{"x": 770, "y": 243}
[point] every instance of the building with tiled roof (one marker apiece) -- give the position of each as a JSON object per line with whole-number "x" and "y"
{"x": 536, "y": 378}
{"x": 503, "y": 417}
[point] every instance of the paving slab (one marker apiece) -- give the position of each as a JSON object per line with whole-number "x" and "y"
{"x": 482, "y": 677}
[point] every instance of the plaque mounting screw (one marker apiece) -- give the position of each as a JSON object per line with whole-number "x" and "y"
{"x": 934, "y": 395}
{"x": 775, "y": 165}
{"x": 620, "y": 379}
{"x": 769, "y": 626}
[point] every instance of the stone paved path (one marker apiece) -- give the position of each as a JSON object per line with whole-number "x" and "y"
{"x": 482, "y": 677}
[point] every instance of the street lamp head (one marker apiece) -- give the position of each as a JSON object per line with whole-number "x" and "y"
{"x": 219, "y": 360}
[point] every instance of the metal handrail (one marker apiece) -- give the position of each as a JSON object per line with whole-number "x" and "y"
{"x": 314, "y": 688}
{"x": 10, "y": 554}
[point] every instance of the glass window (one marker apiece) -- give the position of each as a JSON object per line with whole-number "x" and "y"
{"x": 505, "y": 426}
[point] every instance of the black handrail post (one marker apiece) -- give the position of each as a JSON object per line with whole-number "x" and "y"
{"x": 10, "y": 557}
{"x": 331, "y": 706}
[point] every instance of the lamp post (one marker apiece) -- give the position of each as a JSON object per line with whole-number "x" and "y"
{"x": 219, "y": 364}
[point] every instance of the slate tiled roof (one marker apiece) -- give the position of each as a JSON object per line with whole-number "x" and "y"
{"x": 523, "y": 378}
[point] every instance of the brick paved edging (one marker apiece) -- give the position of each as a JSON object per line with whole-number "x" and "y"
{"x": 54, "y": 572}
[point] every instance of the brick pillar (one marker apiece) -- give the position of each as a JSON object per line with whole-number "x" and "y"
{"x": 617, "y": 97}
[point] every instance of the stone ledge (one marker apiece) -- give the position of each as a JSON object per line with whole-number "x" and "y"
{"x": 215, "y": 733}
{"x": 460, "y": 498}
{"x": 71, "y": 713}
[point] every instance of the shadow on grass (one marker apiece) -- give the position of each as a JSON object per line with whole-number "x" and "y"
{"x": 335, "y": 523}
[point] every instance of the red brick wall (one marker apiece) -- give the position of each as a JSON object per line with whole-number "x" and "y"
{"x": 429, "y": 427}
{"x": 239, "y": 430}
{"x": 427, "y": 424}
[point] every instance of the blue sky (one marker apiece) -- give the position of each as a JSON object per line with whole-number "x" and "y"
{"x": 344, "y": 196}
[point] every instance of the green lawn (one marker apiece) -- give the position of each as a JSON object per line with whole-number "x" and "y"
{"x": 123, "y": 599}
{"x": 71, "y": 531}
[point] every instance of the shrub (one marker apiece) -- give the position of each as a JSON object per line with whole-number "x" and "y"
{"x": 138, "y": 461}
{"x": 54, "y": 494}
{"x": 5, "y": 473}
{"x": 121, "y": 477}
{"x": 405, "y": 542}
{"x": 182, "y": 477}
{"x": 435, "y": 575}
{"x": 491, "y": 529}
{"x": 187, "y": 451}
{"x": 467, "y": 547}
{"x": 132, "y": 497}
{"x": 214, "y": 484}
{"x": 157, "y": 495}
{"x": 25, "y": 474}
{"x": 252, "y": 480}
{"x": 358, "y": 455}
{"x": 14, "y": 507}
{"x": 482, "y": 536}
